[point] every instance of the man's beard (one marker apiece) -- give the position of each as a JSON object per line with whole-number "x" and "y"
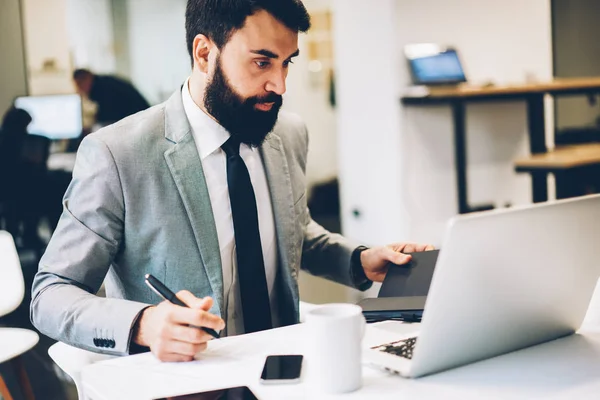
{"x": 237, "y": 114}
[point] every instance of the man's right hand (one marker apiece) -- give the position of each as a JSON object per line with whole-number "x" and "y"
{"x": 165, "y": 328}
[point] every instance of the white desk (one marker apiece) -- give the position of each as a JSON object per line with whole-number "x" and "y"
{"x": 61, "y": 162}
{"x": 568, "y": 368}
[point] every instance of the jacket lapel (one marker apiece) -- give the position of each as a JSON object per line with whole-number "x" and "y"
{"x": 280, "y": 188}
{"x": 186, "y": 168}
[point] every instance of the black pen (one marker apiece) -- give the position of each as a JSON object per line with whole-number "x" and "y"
{"x": 160, "y": 289}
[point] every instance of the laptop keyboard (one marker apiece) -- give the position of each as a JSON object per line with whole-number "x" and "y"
{"x": 401, "y": 348}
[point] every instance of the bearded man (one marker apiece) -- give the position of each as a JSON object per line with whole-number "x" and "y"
{"x": 206, "y": 192}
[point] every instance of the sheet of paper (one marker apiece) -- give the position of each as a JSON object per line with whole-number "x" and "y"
{"x": 231, "y": 355}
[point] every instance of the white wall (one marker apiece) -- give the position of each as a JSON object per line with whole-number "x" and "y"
{"x": 91, "y": 42}
{"x": 13, "y": 78}
{"x": 312, "y": 103}
{"x": 46, "y": 39}
{"x": 159, "y": 62}
{"x": 120, "y": 27}
{"x": 397, "y": 163}
{"x": 369, "y": 124}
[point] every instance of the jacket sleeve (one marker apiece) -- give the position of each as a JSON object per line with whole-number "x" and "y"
{"x": 64, "y": 304}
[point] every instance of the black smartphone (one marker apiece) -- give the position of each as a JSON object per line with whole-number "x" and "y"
{"x": 233, "y": 393}
{"x": 282, "y": 369}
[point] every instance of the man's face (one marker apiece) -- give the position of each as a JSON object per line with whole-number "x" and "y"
{"x": 244, "y": 91}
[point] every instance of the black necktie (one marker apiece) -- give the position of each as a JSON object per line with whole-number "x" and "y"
{"x": 250, "y": 264}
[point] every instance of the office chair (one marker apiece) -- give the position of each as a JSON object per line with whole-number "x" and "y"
{"x": 13, "y": 341}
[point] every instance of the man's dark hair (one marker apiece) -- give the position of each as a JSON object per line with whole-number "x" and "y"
{"x": 219, "y": 19}
{"x": 81, "y": 73}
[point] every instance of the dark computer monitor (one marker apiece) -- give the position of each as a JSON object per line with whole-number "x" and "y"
{"x": 432, "y": 64}
{"x": 53, "y": 116}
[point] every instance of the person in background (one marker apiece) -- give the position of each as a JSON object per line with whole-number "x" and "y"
{"x": 116, "y": 98}
{"x": 23, "y": 160}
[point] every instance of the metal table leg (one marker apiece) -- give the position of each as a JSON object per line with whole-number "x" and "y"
{"x": 460, "y": 156}
{"x": 537, "y": 143}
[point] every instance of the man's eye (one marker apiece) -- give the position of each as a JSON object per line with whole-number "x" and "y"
{"x": 262, "y": 64}
{"x": 287, "y": 63}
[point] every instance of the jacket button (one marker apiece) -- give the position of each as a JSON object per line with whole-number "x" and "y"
{"x": 103, "y": 342}
{"x": 112, "y": 343}
{"x": 96, "y": 342}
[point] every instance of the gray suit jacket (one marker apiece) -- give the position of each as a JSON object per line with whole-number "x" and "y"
{"x": 138, "y": 204}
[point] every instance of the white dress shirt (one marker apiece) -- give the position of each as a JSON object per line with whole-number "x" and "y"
{"x": 209, "y": 135}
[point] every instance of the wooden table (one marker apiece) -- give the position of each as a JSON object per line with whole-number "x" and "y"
{"x": 532, "y": 93}
{"x": 561, "y": 158}
{"x": 567, "y": 163}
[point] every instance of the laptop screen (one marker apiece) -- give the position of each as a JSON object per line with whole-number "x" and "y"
{"x": 435, "y": 66}
{"x": 53, "y": 116}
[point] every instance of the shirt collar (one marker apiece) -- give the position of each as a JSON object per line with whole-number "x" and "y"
{"x": 208, "y": 133}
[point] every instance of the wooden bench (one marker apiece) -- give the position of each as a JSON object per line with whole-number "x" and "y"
{"x": 576, "y": 168}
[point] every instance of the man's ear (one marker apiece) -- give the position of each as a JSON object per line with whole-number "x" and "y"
{"x": 201, "y": 52}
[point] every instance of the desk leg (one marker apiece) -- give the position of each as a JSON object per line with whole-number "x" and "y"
{"x": 460, "y": 154}
{"x": 565, "y": 185}
{"x": 537, "y": 143}
{"x": 576, "y": 182}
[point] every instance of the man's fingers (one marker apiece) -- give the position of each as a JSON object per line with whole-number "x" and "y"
{"x": 179, "y": 352}
{"x": 189, "y": 299}
{"x": 172, "y": 357}
{"x": 183, "y": 348}
{"x": 416, "y": 248}
{"x": 398, "y": 247}
{"x": 195, "y": 302}
{"x": 202, "y": 346}
{"x": 206, "y": 303}
{"x": 410, "y": 247}
{"x": 189, "y": 334}
{"x": 396, "y": 257}
{"x": 191, "y": 316}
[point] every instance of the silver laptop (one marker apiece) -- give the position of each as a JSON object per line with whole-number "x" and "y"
{"x": 504, "y": 280}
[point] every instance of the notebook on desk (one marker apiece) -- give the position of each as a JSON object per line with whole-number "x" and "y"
{"x": 406, "y": 309}
{"x": 403, "y": 292}
{"x": 412, "y": 279}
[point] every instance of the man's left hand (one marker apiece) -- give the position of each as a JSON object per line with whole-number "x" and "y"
{"x": 375, "y": 261}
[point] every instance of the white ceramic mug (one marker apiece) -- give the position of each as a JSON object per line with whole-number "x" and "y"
{"x": 335, "y": 333}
